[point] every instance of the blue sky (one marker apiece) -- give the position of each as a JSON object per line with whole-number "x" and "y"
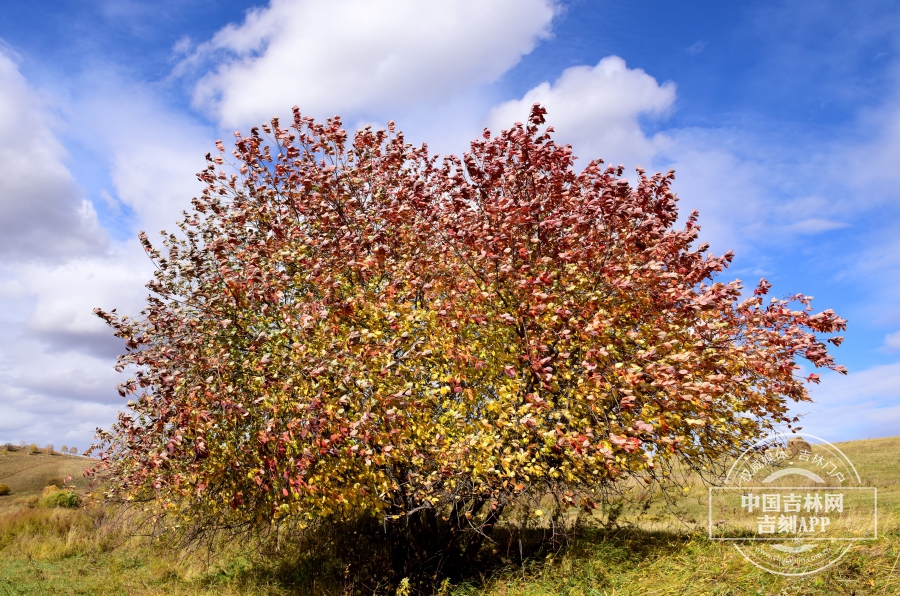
{"x": 782, "y": 120}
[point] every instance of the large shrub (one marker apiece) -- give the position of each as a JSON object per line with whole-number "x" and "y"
{"x": 54, "y": 497}
{"x": 359, "y": 329}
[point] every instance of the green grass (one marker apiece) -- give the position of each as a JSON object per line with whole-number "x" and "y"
{"x": 90, "y": 551}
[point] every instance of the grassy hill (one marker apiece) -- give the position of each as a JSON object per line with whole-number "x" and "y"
{"x": 635, "y": 561}
{"x": 27, "y": 475}
{"x": 651, "y": 551}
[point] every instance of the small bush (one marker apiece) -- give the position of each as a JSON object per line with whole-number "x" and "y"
{"x": 4, "y": 490}
{"x": 53, "y": 497}
{"x": 55, "y": 481}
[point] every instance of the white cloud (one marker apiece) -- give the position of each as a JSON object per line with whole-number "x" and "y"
{"x": 756, "y": 193}
{"x": 152, "y": 153}
{"x": 361, "y": 56}
{"x": 814, "y": 225}
{"x": 729, "y": 192}
{"x": 597, "y": 110}
{"x": 42, "y": 213}
{"x": 892, "y": 341}
{"x": 695, "y": 48}
{"x": 34, "y": 414}
{"x": 874, "y": 164}
{"x": 860, "y": 405}
{"x": 57, "y": 381}
{"x": 65, "y": 296}
{"x": 57, "y": 358}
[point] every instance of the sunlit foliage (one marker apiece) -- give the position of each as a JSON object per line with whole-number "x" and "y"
{"x": 357, "y": 328}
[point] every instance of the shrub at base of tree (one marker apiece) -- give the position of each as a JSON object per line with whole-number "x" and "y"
{"x": 348, "y": 331}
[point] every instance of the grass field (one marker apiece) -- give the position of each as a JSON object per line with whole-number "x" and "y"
{"x": 80, "y": 551}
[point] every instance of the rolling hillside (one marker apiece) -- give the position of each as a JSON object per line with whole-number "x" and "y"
{"x": 27, "y": 475}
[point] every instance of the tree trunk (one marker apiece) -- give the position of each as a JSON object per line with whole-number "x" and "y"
{"x": 423, "y": 544}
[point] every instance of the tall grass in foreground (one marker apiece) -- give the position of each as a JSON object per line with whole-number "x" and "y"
{"x": 87, "y": 551}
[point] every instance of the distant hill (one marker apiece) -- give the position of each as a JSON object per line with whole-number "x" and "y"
{"x": 28, "y": 474}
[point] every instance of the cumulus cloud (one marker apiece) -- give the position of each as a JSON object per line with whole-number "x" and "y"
{"x": 601, "y": 110}
{"x": 150, "y": 151}
{"x": 42, "y": 212}
{"x": 57, "y": 380}
{"x": 157, "y": 179}
{"x": 55, "y": 401}
{"x": 56, "y": 358}
{"x": 598, "y": 110}
{"x": 360, "y": 57}
{"x": 55, "y": 364}
{"x": 65, "y": 296}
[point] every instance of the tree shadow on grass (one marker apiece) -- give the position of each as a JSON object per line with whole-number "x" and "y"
{"x": 356, "y": 559}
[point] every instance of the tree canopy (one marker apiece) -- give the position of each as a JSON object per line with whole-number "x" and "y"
{"x": 359, "y": 328}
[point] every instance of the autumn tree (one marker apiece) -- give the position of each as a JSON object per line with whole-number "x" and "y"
{"x": 356, "y": 328}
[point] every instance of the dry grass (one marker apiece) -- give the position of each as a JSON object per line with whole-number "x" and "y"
{"x": 636, "y": 563}
{"x": 27, "y": 475}
{"x": 878, "y": 464}
{"x": 656, "y": 553}
{"x": 92, "y": 551}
